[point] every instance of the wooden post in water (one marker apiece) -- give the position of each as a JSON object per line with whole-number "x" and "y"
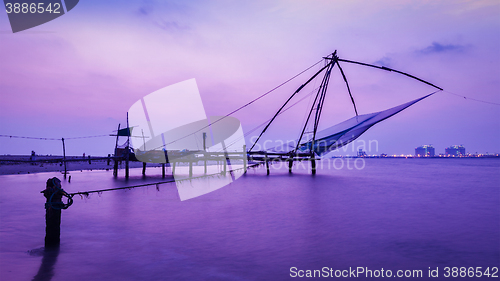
{"x": 109, "y": 159}
{"x": 127, "y": 165}
{"x": 205, "y": 150}
{"x": 127, "y": 152}
{"x": 53, "y": 192}
{"x": 115, "y": 167}
{"x": 225, "y": 164}
{"x": 245, "y": 158}
{"x": 190, "y": 168}
{"x": 204, "y": 141}
{"x": 143, "y": 168}
{"x": 64, "y": 158}
{"x": 205, "y": 161}
{"x": 90, "y": 162}
{"x": 313, "y": 164}
{"x": 163, "y": 170}
{"x": 267, "y": 163}
{"x": 173, "y": 168}
{"x": 290, "y": 163}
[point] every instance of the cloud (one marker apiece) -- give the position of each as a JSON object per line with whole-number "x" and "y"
{"x": 385, "y": 61}
{"x": 436, "y": 47}
{"x": 144, "y": 11}
{"x": 172, "y": 16}
{"x": 171, "y": 25}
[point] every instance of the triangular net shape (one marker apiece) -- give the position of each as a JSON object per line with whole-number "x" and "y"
{"x": 345, "y": 132}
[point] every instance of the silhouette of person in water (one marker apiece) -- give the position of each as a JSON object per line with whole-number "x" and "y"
{"x": 54, "y": 194}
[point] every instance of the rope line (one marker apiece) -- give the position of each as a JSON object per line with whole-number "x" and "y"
{"x": 467, "y": 98}
{"x": 35, "y": 138}
{"x": 243, "y": 106}
{"x": 267, "y": 121}
{"x": 31, "y": 138}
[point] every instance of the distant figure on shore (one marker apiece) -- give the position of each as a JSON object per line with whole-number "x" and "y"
{"x": 33, "y": 156}
{"x": 54, "y": 193}
{"x": 84, "y": 155}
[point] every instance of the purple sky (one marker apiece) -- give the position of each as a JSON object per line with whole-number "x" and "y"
{"x": 79, "y": 74}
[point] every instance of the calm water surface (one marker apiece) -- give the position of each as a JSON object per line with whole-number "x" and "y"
{"x": 395, "y": 214}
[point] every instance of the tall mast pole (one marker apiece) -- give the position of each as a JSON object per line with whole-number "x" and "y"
{"x": 283, "y": 106}
{"x": 318, "y": 102}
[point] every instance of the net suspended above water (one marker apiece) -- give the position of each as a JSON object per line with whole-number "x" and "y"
{"x": 345, "y": 132}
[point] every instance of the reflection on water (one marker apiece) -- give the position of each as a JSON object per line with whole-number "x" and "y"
{"x": 46, "y": 270}
{"x": 394, "y": 214}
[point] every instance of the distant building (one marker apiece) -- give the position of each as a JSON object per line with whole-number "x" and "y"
{"x": 424, "y": 151}
{"x": 361, "y": 153}
{"x": 455, "y": 150}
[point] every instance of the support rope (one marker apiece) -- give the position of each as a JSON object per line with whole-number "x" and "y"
{"x": 35, "y": 138}
{"x": 243, "y": 106}
{"x": 467, "y": 98}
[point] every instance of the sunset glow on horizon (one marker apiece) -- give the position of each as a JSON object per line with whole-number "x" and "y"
{"x": 79, "y": 74}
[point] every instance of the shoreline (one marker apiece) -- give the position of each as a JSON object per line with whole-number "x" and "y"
{"x": 20, "y": 164}
{"x": 420, "y": 157}
{"x": 40, "y": 167}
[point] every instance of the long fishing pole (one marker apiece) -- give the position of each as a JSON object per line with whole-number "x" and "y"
{"x": 390, "y": 69}
{"x": 87, "y": 193}
{"x": 281, "y": 108}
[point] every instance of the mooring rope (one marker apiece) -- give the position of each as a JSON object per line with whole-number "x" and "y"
{"x": 59, "y": 205}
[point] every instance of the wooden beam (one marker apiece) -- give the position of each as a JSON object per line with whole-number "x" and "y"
{"x": 64, "y": 158}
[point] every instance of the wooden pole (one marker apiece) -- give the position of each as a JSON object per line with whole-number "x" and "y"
{"x": 143, "y": 168}
{"x": 290, "y": 163}
{"x": 205, "y": 161}
{"x": 173, "y": 168}
{"x": 283, "y": 106}
{"x": 109, "y": 159}
{"x": 115, "y": 168}
{"x": 205, "y": 150}
{"x": 52, "y": 215}
{"x": 163, "y": 170}
{"x": 127, "y": 152}
{"x": 267, "y": 163}
{"x": 313, "y": 164}
{"x": 190, "y": 169}
{"x": 225, "y": 164}
{"x": 64, "y": 158}
{"x": 245, "y": 158}
{"x": 204, "y": 141}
